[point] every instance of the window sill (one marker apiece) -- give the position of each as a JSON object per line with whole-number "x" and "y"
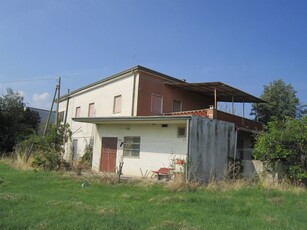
{"x": 130, "y": 157}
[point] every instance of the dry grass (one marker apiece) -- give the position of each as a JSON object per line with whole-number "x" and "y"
{"x": 281, "y": 185}
{"x": 89, "y": 176}
{"x": 168, "y": 224}
{"x": 226, "y": 185}
{"x": 18, "y": 161}
{"x": 181, "y": 186}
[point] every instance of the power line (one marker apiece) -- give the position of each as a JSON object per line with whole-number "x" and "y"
{"x": 18, "y": 81}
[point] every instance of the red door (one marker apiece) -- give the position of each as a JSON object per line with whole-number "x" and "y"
{"x": 108, "y": 154}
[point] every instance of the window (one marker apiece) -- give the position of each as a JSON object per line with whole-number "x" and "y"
{"x": 177, "y": 106}
{"x": 61, "y": 116}
{"x": 156, "y": 103}
{"x": 181, "y": 132}
{"x": 75, "y": 149}
{"x": 131, "y": 146}
{"x": 91, "y": 108}
{"x": 78, "y": 111}
{"x": 117, "y": 104}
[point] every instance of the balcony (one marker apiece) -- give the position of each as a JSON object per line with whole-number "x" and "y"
{"x": 240, "y": 122}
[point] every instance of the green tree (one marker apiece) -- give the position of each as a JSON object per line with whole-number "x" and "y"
{"x": 16, "y": 122}
{"x": 46, "y": 150}
{"x": 281, "y": 102}
{"x": 285, "y": 142}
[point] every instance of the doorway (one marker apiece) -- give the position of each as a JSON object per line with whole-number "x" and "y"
{"x": 108, "y": 154}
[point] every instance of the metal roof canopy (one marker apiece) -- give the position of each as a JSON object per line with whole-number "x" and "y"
{"x": 221, "y": 91}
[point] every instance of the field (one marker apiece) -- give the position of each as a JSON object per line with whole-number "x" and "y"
{"x": 50, "y": 200}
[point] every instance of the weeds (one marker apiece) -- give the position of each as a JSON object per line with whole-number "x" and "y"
{"x": 57, "y": 201}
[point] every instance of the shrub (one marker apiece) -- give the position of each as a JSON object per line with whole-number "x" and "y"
{"x": 285, "y": 143}
{"x": 88, "y": 155}
{"x": 47, "y": 150}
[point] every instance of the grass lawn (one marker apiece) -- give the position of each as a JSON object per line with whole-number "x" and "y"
{"x": 49, "y": 200}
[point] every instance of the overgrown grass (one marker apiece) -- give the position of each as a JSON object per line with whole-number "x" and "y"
{"x": 49, "y": 200}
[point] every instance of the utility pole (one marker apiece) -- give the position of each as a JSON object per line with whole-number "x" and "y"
{"x": 58, "y": 104}
{"x": 50, "y": 111}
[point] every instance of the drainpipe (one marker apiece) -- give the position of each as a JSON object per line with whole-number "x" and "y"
{"x": 233, "y": 106}
{"x": 236, "y": 139}
{"x": 133, "y": 93}
{"x": 243, "y": 114}
{"x": 66, "y": 111}
{"x": 65, "y": 121}
{"x": 188, "y": 150}
{"x": 215, "y": 100}
{"x": 235, "y": 150}
{"x": 257, "y": 117}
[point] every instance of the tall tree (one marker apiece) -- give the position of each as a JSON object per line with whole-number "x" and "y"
{"x": 16, "y": 121}
{"x": 281, "y": 102}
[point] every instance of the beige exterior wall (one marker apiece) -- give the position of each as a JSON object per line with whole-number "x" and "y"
{"x": 158, "y": 148}
{"x": 103, "y": 98}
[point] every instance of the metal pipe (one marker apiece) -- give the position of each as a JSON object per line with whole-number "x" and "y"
{"x": 257, "y": 117}
{"x": 233, "y": 106}
{"x": 188, "y": 163}
{"x": 133, "y": 94}
{"x": 215, "y": 100}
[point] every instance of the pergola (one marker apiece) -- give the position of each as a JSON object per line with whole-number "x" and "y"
{"x": 219, "y": 92}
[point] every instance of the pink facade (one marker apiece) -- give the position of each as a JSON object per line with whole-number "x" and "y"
{"x": 150, "y": 85}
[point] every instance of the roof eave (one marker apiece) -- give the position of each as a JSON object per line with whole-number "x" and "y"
{"x": 114, "y": 76}
{"x": 138, "y": 119}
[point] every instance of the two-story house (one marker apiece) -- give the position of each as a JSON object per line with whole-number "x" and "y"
{"x": 146, "y": 119}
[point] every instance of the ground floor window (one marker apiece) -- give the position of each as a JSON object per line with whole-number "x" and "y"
{"x": 75, "y": 149}
{"x": 181, "y": 132}
{"x": 132, "y": 146}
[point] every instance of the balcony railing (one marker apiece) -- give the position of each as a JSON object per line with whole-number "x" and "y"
{"x": 240, "y": 122}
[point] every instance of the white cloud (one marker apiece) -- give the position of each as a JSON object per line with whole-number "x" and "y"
{"x": 1, "y": 89}
{"x": 41, "y": 100}
{"x": 21, "y": 93}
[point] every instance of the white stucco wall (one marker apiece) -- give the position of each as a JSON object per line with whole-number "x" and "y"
{"x": 103, "y": 98}
{"x": 159, "y": 146}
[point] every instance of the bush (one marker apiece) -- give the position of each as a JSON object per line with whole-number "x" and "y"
{"x": 47, "y": 150}
{"x": 50, "y": 160}
{"x": 285, "y": 143}
{"x": 88, "y": 155}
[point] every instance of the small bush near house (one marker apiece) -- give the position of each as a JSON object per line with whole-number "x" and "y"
{"x": 88, "y": 155}
{"x": 284, "y": 147}
{"x": 47, "y": 150}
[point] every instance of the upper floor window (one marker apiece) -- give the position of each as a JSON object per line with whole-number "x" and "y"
{"x": 78, "y": 111}
{"x": 177, "y": 106}
{"x": 117, "y": 106}
{"x": 156, "y": 103}
{"x": 91, "y": 108}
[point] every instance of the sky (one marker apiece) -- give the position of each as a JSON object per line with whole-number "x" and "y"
{"x": 244, "y": 43}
